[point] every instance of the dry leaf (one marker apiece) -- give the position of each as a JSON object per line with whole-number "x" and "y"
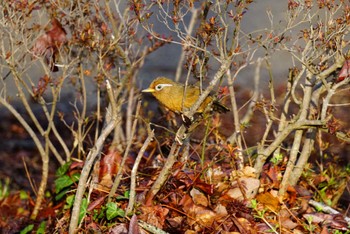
{"x": 120, "y": 229}
{"x": 47, "y": 44}
{"x": 345, "y": 71}
{"x": 154, "y": 215}
{"x": 221, "y": 211}
{"x": 268, "y": 200}
{"x": 203, "y": 216}
{"x": 288, "y": 224}
{"x": 250, "y": 187}
{"x": 133, "y": 226}
{"x": 198, "y": 197}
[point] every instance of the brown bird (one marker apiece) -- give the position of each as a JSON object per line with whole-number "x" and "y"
{"x": 172, "y": 95}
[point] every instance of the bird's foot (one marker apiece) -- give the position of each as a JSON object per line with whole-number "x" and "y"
{"x": 186, "y": 121}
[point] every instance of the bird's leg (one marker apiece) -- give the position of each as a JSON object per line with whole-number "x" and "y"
{"x": 171, "y": 118}
{"x": 194, "y": 124}
{"x": 186, "y": 121}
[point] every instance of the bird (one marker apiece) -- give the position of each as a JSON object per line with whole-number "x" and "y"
{"x": 178, "y": 98}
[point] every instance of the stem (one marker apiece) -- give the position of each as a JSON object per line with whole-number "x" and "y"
{"x": 125, "y": 156}
{"x": 163, "y": 176}
{"x": 90, "y": 159}
{"x": 263, "y": 154}
{"x": 134, "y": 172}
{"x": 42, "y": 151}
{"x": 304, "y": 110}
{"x": 205, "y": 142}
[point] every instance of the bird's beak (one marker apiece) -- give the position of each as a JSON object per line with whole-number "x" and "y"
{"x": 149, "y": 90}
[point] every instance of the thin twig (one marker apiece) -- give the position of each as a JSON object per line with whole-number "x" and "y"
{"x": 184, "y": 47}
{"x": 34, "y": 188}
{"x": 134, "y": 172}
{"x": 39, "y": 146}
{"x": 125, "y": 156}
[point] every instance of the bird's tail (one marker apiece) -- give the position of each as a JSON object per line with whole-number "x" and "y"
{"x": 218, "y": 107}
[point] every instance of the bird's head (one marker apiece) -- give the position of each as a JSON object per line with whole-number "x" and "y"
{"x": 161, "y": 87}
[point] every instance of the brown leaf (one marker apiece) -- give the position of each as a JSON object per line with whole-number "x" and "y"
{"x": 133, "y": 226}
{"x": 47, "y": 44}
{"x": 292, "y": 195}
{"x": 250, "y": 187}
{"x": 154, "y": 215}
{"x": 175, "y": 222}
{"x": 41, "y": 87}
{"x": 288, "y": 224}
{"x": 244, "y": 226}
{"x": 120, "y": 229}
{"x": 324, "y": 230}
{"x": 336, "y": 221}
{"x": 96, "y": 203}
{"x": 108, "y": 168}
{"x": 199, "y": 198}
{"x": 203, "y": 216}
{"x": 198, "y": 213}
{"x": 186, "y": 202}
{"x": 221, "y": 211}
{"x": 268, "y": 200}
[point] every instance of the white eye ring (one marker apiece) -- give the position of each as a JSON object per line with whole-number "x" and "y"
{"x": 161, "y": 86}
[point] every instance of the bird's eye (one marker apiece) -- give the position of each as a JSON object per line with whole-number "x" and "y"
{"x": 161, "y": 86}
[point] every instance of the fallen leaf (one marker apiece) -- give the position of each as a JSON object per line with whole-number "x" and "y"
{"x": 221, "y": 211}
{"x": 268, "y": 200}
{"x": 120, "y": 229}
{"x": 288, "y": 224}
{"x": 203, "y": 216}
{"x": 133, "y": 226}
{"x": 198, "y": 197}
{"x": 244, "y": 226}
{"x": 250, "y": 187}
{"x": 335, "y": 221}
{"x": 154, "y": 215}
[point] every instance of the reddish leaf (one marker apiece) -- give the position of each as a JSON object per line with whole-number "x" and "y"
{"x": 133, "y": 226}
{"x": 223, "y": 91}
{"x": 41, "y": 87}
{"x": 96, "y": 203}
{"x": 77, "y": 165}
{"x": 205, "y": 187}
{"x": 154, "y": 215}
{"x": 109, "y": 164}
{"x": 121, "y": 228}
{"x": 47, "y": 44}
{"x": 292, "y": 192}
{"x": 345, "y": 71}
